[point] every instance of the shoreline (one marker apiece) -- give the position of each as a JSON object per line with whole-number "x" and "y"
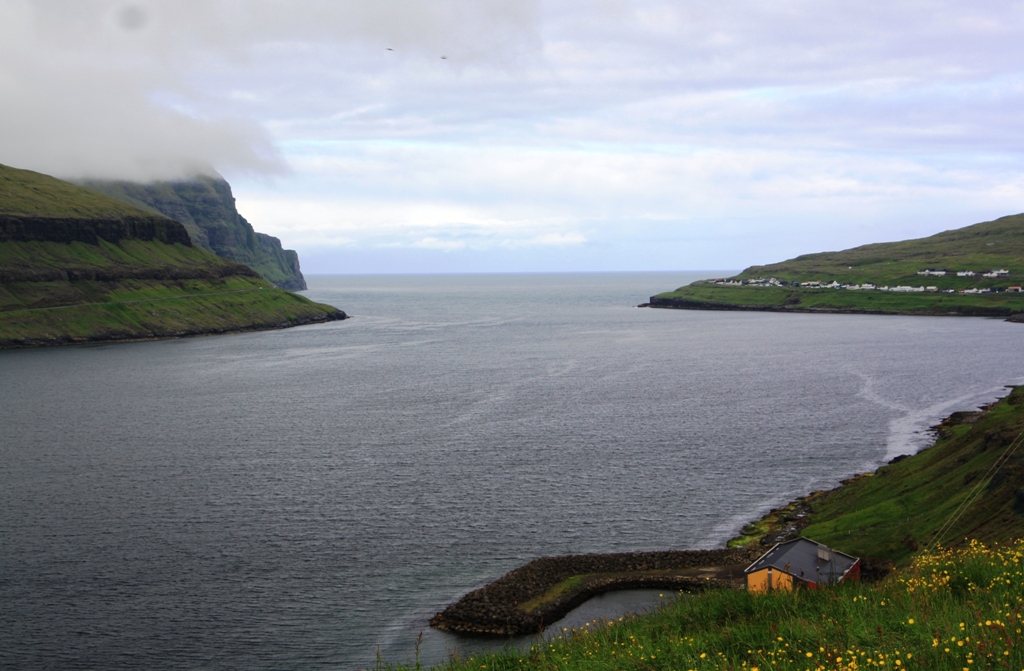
{"x": 967, "y": 311}
{"x": 527, "y": 599}
{"x": 61, "y": 341}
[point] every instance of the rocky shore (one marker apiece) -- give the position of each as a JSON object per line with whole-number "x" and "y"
{"x": 527, "y": 599}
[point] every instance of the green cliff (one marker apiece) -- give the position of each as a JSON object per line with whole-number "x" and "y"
{"x": 78, "y": 266}
{"x": 206, "y": 207}
{"x": 883, "y": 278}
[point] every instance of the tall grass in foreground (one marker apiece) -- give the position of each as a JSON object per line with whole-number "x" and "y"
{"x": 957, "y": 609}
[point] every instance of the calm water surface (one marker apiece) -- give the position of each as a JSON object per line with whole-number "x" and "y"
{"x": 298, "y": 499}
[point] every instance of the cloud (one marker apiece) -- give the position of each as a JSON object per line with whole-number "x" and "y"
{"x": 693, "y": 128}
{"x": 703, "y": 208}
{"x": 115, "y": 88}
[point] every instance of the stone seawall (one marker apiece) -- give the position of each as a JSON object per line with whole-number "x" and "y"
{"x": 497, "y": 609}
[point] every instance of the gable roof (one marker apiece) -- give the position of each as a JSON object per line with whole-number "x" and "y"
{"x": 801, "y": 559}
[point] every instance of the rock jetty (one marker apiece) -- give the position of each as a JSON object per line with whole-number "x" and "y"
{"x": 543, "y": 591}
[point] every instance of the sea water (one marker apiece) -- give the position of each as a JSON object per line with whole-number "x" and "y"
{"x": 309, "y": 497}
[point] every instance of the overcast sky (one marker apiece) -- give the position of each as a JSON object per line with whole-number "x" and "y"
{"x": 477, "y": 135}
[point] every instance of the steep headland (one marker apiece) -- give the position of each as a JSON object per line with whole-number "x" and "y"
{"x": 206, "y": 207}
{"x": 78, "y": 266}
{"x": 973, "y": 271}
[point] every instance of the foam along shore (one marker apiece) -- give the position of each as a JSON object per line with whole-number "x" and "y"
{"x": 884, "y": 517}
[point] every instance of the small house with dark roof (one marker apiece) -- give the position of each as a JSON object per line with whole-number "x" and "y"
{"x": 801, "y": 563}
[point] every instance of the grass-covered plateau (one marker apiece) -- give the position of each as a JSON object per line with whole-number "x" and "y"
{"x": 979, "y": 249}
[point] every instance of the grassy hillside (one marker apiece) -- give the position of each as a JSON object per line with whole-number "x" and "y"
{"x": 980, "y": 248}
{"x": 71, "y": 271}
{"x": 904, "y": 506}
{"x": 946, "y": 611}
{"x": 25, "y": 261}
{"x": 705, "y": 296}
{"x": 103, "y": 311}
{"x": 23, "y": 192}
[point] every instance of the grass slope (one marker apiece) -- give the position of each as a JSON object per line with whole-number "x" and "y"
{"x": 135, "y": 289}
{"x": 24, "y": 192}
{"x": 981, "y": 247}
{"x": 44, "y": 260}
{"x": 155, "y": 309}
{"x": 902, "y": 506}
{"x": 709, "y": 296}
{"x": 947, "y": 611}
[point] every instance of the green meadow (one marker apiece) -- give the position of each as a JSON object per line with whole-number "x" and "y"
{"x": 980, "y": 248}
{"x": 150, "y": 309}
{"x": 841, "y": 300}
{"x": 947, "y": 610}
{"x": 24, "y": 192}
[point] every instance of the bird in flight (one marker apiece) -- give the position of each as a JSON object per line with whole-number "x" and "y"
{"x": 444, "y": 58}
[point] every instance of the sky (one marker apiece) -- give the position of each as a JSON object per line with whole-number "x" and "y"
{"x": 533, "y": 135}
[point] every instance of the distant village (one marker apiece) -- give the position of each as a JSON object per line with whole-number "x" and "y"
{"x": 867, "y": 286}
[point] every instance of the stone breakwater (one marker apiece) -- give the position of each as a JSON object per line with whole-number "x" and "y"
{"x": 527, "y": 599}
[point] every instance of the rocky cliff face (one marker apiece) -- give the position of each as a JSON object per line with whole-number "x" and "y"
{"x": 26, "y": 228}
{"x": 206, "y": 207}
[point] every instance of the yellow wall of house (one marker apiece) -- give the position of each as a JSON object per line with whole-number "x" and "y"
{"x": 758, "y": 581}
